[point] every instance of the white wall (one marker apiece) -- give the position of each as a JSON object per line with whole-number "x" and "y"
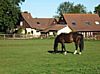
{"x": 50, "y": 33}
{"x": 36, "y": 32}
{"x": 33, "y": 32}
{"x": 28, "y": 30}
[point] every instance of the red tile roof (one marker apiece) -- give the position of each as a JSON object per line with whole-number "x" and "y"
{"x": 38, "y": 23}
{"x": 54, "y": 27}
{"x": 27, "y": 18}
{"x": 43, "y": 22}
{"x": 83, "y": 22}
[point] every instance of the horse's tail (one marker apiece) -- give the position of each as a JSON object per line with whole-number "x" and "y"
{"x": 55, "y": 44}
{"x": 81, "y": 43}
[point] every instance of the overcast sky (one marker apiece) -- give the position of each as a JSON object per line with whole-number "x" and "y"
{"x": 48, "y": 8}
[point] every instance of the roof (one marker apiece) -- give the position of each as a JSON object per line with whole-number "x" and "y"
{"x": 83, "y": 22}
{"x": 37, "y": 23}
{"x": 54, "y": 27}
{"x": 43, "y": 22}
{"x": 27, "y": 17}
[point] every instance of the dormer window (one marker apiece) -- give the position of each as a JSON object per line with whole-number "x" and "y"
{"x": 62, "y": 18}
{"x": 73, "y": 23}
{"x": 87, "y": 23}
{"x": 97, "y": 23}
{"x": 62, "y": 23}
{"x": 38, "y": 22}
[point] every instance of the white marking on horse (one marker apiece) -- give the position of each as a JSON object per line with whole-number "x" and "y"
{"x": 75, "y": 52}
{"x": 65, "y": 53}
{"x": 80, "y": 53}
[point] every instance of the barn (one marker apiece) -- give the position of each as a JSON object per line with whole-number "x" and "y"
{"x": 40, "y": 27}
{"x": 86, "y": 24}
{"x": 34, "y": 26}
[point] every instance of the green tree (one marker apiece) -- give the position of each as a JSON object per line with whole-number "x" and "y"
{"x": 79, "y": 9}
{"x": 9, "y": 14}
{"x": 16, "y": 2}
{"x": 97, "y": 10}
{"x": 65, "y": 7}
{"x": 68, "y": 7}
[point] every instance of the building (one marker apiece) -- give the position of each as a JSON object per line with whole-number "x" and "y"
{"x": 87, "y": 24}
{"x": 38, "y": 27}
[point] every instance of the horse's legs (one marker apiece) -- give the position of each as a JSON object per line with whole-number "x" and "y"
{"x": 80, "y": 49}
{"x": 63, "y": 47}
{"x": 76, "y": 45}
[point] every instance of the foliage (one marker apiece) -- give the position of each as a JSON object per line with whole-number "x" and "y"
{"x": 32, "y": 57}
{"x": 20, "y": 30}
{"x": 68, "y": 7}
{"x": 65, "y": 7}
{"x": 79, "y": 9}
{"x": 97, "y": 10}
{"x": 16, "y": 2}
{"x": 9, "y": 14}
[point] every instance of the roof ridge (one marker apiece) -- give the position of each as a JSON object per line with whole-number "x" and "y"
{"x": 79, "y": 14}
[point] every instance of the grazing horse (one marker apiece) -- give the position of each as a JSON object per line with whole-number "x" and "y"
{"x": 69, "y": 38}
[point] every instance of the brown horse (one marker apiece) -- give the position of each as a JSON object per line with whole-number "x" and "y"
{"x": 69, "y": 38}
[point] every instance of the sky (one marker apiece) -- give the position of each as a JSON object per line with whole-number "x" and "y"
{"x": 48, "y": 8}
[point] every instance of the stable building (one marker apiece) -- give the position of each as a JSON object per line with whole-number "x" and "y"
{"x": 87, "y": 24}
{"x": 34, "y": 26}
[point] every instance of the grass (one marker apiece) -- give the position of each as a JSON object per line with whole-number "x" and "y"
{"x": 32, "y": 57}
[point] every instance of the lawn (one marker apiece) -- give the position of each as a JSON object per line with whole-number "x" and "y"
{"x": 32, "y": 57}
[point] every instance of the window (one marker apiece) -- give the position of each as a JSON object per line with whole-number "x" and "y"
{"x": 21, "y": 23}
{"x": 38, "y": 22}
{"x": 62, "y": 18}
{"x": 74, "y": 23}
{"x": 97, "y": 23}
{"x": 87, "y": 23}
{"x": 37, "y": 31}
{"x": 62, "y": 23}
{"x": 32, "y": 32}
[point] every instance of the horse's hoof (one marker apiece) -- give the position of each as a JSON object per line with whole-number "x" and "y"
{"x": 80, "y": 53}
{"x": 75, "y": 52}
{"x": 65, "y": 53}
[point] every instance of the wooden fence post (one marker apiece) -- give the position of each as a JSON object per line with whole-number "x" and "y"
{"x": 4, "y": 36}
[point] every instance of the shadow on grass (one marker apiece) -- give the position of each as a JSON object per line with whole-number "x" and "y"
{"x": 61, "y": 52}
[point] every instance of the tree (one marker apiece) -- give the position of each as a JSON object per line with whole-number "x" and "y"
{"x": 79, "y": 9}
{"x": 9, "y": 14}
{"x": 16, "y": 2}
{"x": 97, "y": 10}
{"x": 67, "y": 7}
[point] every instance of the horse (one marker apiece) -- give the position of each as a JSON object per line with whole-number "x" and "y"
{"x": 63, "y": 38}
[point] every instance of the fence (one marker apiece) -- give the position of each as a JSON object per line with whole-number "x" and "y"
{"x": 17, "y": 36}
{"x": 28, "y": 36}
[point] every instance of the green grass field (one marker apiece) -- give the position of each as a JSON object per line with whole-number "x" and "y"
{"x": 32, "y": 57}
